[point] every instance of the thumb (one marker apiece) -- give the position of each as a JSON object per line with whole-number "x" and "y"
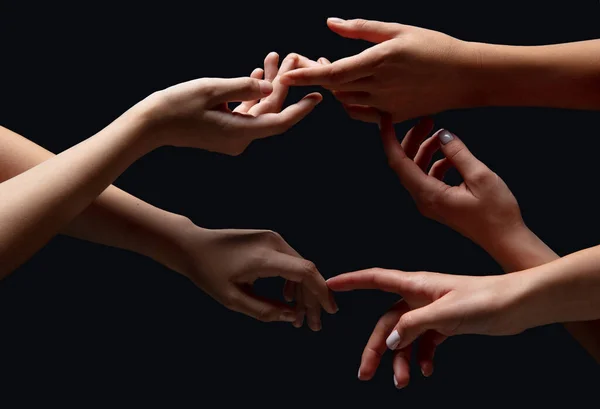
{"x": 237, "y": 89}
{"x": 471, "y": 169}
{"x": 369, "y": 30}
{"x": 411, "y": 325}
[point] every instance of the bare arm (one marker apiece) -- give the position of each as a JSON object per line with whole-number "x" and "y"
{"x": 115, "y": 218}
{"x": 558, "y": 76}
{"x": 411, "y": 72}
{"x": 523, "y": 250}
{"x": 42, "y": 195}
{"x": 483, "y": 208}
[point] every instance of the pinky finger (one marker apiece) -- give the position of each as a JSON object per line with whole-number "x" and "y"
{"x": 246, "y": 105}
{"x": 440, "y": 168}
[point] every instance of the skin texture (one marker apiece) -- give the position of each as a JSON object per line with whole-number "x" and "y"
{"x": 412, "y": 72}
{"x": 494, "y": 222}
{"x": 70, "y": 193}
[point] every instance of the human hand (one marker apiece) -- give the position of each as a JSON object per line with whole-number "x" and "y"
{"x": 226, "y": 263}
{"x": 410, "y": 72}
{"x": 481, "y": 208}
{"x": 434, "y": 306}
{"x": 196, "y": 113}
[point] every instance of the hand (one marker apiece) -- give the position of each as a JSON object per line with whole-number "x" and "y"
{"x": 434, "y": 306}
{"x": 306, "y": 302}
{"x": 196, "y": 113}
{"x": 482, "y": 208}
{"x": 411, "y": 72}
{"x": 226, "y": 263}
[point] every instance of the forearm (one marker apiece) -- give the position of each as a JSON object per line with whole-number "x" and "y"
{"x": 558, "y": 76}
{"x": 518, "y": 250}
{"x": 564, "y": 290}
{"x": 115, "y": 218}
{"x": 40, "y": 202}
{"x": 522, "y": 250}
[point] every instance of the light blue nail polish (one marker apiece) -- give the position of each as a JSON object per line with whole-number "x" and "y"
{"x": 445, "y": 137}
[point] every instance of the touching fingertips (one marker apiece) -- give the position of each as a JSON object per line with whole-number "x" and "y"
{"x": 265, "y": 87}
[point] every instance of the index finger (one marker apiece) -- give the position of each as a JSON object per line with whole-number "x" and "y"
{"x": 392, "y": 281}
{"x": 342, "y": 71}
{"x": 410, "y": 174}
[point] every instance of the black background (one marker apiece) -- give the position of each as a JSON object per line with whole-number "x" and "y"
{"x": 88, "y": 324}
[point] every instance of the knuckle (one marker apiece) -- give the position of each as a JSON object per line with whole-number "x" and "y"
{"x": 483, "y": 177}
{"x": 406, "y": 322}
{"x": 309, "y": 269}
{"x": 251, "y": 84}
{"x": 265, "y": 314}
{"x": 360, "y": 23}
{"x": 231, "y": 300}
{"x": 428, "y": 201}
{"x": 271, "y": 237}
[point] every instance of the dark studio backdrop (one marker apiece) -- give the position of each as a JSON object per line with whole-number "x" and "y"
{"x": 86, "y": 324}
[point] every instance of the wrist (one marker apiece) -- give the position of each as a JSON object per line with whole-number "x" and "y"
{"x": 517, "y": 248}
{"x": 149, "y": 114}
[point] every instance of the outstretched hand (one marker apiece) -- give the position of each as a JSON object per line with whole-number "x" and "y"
{"x": 433, "y": 307}
{"x": 409, "y": 72}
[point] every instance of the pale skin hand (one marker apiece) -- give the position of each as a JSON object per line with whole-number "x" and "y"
{"x": 41, "y": 201}
{"x": 412, "y": 72}
{"x": 118, "y": 219}
{"x": 494, "y": 221}
{"x": 482, "y": 208}
{"x": 437, "y": 305}
{"x": 306, "y": 302}
{"x": 434, "y": 306}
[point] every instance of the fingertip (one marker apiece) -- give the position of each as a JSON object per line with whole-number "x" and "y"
{"x": 271, "y": 56}
{"x": 316, "y": 97}
{"x": 445, "y": 136}
{"x": 266, "y": 87}
{"x": 335, "y": 21}
{"x": 399, "y": 384}
{"x": 257, "y": 73}
{"x": 427, "y": 368}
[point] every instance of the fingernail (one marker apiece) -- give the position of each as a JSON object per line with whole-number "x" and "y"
{"x": 288, "y": 316}
{"x": 396, "y": 383}
{"x": 336, "y": 20}
{"x": 359, "y": 374}
{"x": 445, "y": 137}
{"x": 265, "y": 87}
{"x": 393, "y": 340}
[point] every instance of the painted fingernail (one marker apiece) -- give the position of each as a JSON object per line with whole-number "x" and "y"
{"x": 393, "y": 340}
{"x": 445, "y": 136}
{"x": 336, "y": 20}
{"x": 288, "y": 316}
{"x": 265, "y": 87}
